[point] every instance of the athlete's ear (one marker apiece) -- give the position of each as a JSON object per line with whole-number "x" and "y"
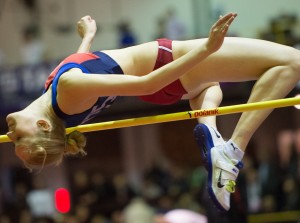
{"x": 44, "y": 125}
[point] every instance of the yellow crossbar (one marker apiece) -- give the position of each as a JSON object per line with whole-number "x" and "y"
{"x": 180, "y": 116}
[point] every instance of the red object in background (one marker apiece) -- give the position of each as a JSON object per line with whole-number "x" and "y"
{"x": 62, "y": 200}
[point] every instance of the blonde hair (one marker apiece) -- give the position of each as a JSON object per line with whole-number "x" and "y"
{"x": 49, "y": 148}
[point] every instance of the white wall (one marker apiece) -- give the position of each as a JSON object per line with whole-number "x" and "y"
{"x": 107, "y": 13}
{"x": 143, "y": 14}
{"x": 253, "y": 15}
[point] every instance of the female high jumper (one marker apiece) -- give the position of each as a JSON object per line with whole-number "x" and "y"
{"x": 162, "y": 72}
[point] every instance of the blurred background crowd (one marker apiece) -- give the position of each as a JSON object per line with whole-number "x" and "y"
{"x": 140, "y": 174}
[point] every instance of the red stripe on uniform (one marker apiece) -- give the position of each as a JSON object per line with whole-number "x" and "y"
{"x": 74, "y": 58}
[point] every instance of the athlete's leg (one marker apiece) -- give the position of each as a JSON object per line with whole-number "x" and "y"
{"x": 210, "y": 97}
{"x": 211, "y": 145}
{"x": 206, "y": 133}
{"x": 276, "y": 69}
{"x": 275, "y": 83}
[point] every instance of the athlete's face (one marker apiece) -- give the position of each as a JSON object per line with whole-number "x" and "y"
{"x": 20, "y": 129}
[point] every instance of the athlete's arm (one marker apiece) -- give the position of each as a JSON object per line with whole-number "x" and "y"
{"x": 95, "y": 85}
{"x": 86, "y": 28}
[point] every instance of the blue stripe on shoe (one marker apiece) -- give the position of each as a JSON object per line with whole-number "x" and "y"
{"x": 203, "y": 139}
{"x": 206, "y": 140}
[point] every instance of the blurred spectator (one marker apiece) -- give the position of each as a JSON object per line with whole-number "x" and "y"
{"x": 160, "y": 28}
{"x": 282, "y": 29}
{"x": 33, "y": 49}
{"x": 291, "y": 194}
{"x": 253, "y": 190}
{"x": 164, "y": 204}
{"x": 179, "y": 183}
{"x": 160, "y": 174}
{"x": 174, "y": 27}
{"x": 187, "y": 201}
{"x": 285, "y": 141}
{"x": 81, "y": 188}
{"x": 40, "y": 199}
{"x": 268, "y": 171}
{"x": 138, "y": 211}
{"x": 100, "y": 194}
{"x": 127, "y": 37}
{"x": 123, "y": 192}
{"x": 198, "y": 177}
{"x": 151, "y": 190}
{"x": 181, "y": 216}
{"x": 269, "y": 204}
{"x": 21, "y": 193}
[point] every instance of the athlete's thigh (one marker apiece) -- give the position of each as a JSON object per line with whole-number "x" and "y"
{"x": 239, "y": 59}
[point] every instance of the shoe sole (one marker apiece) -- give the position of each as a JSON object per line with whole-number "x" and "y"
{"x": 204, "y": 141}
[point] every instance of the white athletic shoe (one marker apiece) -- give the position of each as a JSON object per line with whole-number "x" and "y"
{"x": 207, "y": 137}
{"x": 222, "y": 170}
{"x": 222, "y": 173}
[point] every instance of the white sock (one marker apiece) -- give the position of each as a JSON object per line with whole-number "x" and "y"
{"x": 233, "y": 151}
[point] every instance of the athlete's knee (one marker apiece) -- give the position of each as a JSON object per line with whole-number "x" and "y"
{"x": 294, "y": 63}
{"x": 209, "y": 97}
{"x": 289, "y": 67}
{"x": 212, "y": 85}
{"x": 216, "y": 90}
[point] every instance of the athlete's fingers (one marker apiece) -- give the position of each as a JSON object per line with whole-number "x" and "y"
{"x": 224, "y": 19}
{"x": 228, "y": 21}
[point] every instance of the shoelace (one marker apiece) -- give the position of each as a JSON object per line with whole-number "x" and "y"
{"x": 230, "y": 186}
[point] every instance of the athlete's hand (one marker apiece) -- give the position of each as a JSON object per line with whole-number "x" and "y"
{"x": 218, "y": 31}
{"x": 87, "y": 27}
